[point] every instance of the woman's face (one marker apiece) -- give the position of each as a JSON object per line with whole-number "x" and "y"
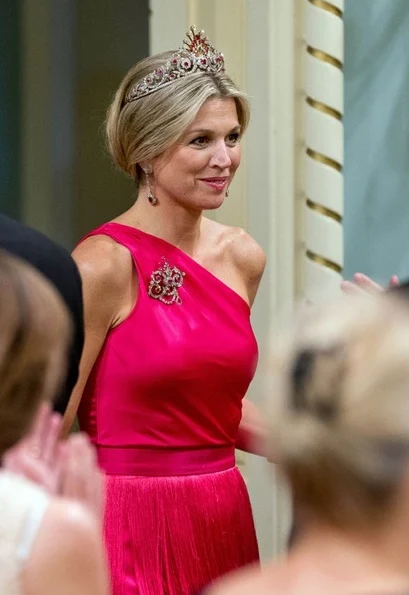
{"x": 197, "y": 171}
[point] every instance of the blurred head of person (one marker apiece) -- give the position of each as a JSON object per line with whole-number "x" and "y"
{"x": 340, "y": 392}
{"x": 34, "y": 337}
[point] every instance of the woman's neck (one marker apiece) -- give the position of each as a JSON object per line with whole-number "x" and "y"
{"x": 373, "y": 562}
{"x": 172, "y": 223}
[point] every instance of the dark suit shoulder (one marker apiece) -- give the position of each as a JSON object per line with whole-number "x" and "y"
{"x": 57, "y": 265}
{"x": 36, "y": 248}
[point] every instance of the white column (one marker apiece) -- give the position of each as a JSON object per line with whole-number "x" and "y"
{"x": 322, "y": 254}
{"x": 273, "y": 163}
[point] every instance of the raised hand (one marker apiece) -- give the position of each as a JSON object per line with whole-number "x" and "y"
{"x": 363, "y": 283}
{"x": 37, "y": 456}
{"x": 80, "y": 477}
{"x": 66, "y": 468}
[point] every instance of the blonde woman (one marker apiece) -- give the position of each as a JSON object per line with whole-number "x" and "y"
{"x": 340, "y": 397}
{"x": 169, "y": 348}
{"x": 49, "y": 545}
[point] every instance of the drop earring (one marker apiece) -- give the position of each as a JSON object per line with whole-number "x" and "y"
{"x": 151, "y": 197}
{"x": 227, "y": 193}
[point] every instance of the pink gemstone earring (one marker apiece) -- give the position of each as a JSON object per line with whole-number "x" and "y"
{"x": 151, "y": 197}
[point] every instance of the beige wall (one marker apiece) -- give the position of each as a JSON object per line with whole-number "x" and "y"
{"x": 74, "y": 56}
{"x": 111, "y": 38}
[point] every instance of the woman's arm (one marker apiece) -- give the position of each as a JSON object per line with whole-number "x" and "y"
{"x": 108, "y": 293}
{"x": 250, "y": 261}
{"x": 252, "y": 436}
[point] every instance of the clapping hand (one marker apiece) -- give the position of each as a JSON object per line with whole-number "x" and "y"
{"x": 80, "y": 477}
{"x": 63, "y": 468}
{"x": 37, "y": 456}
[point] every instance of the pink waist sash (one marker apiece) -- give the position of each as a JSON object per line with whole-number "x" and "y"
{"x": 162, "y": 462}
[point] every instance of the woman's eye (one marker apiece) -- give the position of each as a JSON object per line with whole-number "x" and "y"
{"x": 233, "y": 139}
{"x": 200, "y": 141}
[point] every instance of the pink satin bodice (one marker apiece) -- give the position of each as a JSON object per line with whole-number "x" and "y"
{"x": 170, "y": 377}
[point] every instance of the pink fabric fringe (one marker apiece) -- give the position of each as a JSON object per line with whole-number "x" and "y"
{"x": 175, "y": 535}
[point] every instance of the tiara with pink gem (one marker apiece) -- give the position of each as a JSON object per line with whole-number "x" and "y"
{"x": 196, "y": 55}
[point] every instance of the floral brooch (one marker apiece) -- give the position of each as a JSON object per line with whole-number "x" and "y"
{"x": 165, "y": 282}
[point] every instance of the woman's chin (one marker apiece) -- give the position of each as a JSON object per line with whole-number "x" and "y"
{"x": 204, "y": 203}
{"x": 214, "y": 203}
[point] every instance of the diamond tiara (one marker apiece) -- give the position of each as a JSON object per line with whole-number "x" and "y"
{"x": 196, "y": 55}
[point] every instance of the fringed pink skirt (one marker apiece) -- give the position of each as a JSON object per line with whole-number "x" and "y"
{"x": 174, "y": 535}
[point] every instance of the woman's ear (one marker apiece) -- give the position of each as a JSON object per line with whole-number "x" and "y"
{"x": 146, "y": 166}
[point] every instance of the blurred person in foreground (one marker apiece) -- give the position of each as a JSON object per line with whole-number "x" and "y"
{"x": 56, "y": 264}
{"x": 50, "y": 534}
{"x": 340, "y": 396}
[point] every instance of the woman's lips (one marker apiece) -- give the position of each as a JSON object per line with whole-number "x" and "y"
{"x": 216, "y": 183}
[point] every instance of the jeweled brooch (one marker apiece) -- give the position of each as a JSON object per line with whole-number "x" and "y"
{"x": 165, "y": 282}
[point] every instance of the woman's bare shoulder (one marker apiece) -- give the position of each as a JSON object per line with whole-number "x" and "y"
{"x": 248, "y": 581}
{"x": 103, "y": 261}
{"x": 241, "y": 246}
{"x": 69, "y": 537}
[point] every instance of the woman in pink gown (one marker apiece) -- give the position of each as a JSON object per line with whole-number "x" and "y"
{"x": 169, "y": 351}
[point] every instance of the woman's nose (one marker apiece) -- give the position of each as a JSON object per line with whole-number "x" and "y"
{"x": 221, "y": 156}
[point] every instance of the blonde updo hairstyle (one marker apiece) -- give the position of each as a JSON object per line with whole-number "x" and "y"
{"x": 143, "y": 129}
{"x": 35, "y": 330}
{"x": 340, "y": 397}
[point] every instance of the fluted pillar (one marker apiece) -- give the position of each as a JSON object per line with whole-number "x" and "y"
{"x": 324, "y": 146}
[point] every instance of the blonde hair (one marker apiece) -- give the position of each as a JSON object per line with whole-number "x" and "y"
{"x": 340, "y": 395}
{"x": 35, "y": 330}
{"x": 143, "y": 129}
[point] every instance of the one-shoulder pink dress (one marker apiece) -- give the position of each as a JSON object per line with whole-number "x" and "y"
{"x": 163, "y": 406}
